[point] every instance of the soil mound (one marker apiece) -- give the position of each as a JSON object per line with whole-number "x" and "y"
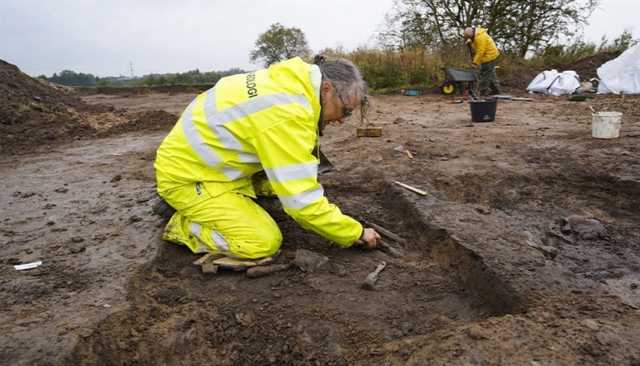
{"x": 519, "y": 75}
{"x": 34, "y": 115}
{"x": 142, "y": 121}
{"x": 588, "y": 66}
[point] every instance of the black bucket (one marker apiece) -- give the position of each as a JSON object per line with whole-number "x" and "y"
{"x": 483, "y": 110}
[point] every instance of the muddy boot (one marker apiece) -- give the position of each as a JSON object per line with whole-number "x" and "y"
{"x": 266, "y": 196}
{"x": 212, "y": 262}
{"x": 270, "y": 204}
{"x": 161, "y": 208}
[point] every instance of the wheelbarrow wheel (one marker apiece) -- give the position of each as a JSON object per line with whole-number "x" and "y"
{"x": 448, "y": 88}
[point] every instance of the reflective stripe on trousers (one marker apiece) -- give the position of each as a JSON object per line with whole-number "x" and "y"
{"x": 217, "y": 238}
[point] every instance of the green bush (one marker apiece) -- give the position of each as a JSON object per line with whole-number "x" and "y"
{"x": 389, "y": 70}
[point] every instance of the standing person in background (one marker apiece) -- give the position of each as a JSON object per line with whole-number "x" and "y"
{"x": 485, "y": 57}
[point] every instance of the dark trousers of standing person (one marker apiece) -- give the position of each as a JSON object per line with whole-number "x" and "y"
{"x": 487, "y": 78}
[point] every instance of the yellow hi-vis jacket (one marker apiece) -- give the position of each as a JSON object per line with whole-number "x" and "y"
{"x": 484, "y": 48}
{"x": 263, "y": 120}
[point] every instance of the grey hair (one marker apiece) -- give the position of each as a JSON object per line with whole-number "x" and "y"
{"x": 345, "y": 77}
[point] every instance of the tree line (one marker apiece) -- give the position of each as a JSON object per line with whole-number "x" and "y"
{"x": 517, "y": 26}
{"x": 192, "y": 77}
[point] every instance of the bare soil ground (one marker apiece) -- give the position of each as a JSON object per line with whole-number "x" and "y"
{"x": 524, "y": 252}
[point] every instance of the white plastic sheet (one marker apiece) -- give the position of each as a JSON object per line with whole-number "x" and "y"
{"x": 555, "y": 83}
{"x": 622, "y": 74}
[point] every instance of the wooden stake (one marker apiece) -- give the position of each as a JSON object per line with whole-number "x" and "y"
{"x": 209, "y": 267}
{"x": 412, "y": 189}
{"x": 386, "y": 232}
{"x": 207, "y": 257}
{"x": 369, "y": 132}
{"x": 202, "y": 259}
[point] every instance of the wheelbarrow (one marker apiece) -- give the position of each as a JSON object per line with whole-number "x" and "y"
{"x": 458, "y": 80}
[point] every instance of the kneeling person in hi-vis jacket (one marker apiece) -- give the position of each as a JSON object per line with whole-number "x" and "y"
{"x": 267, "y": 120}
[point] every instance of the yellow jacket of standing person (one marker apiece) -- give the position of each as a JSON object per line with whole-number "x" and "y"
{"x": 484, "y": 47}
{"x": 263, "y": 120}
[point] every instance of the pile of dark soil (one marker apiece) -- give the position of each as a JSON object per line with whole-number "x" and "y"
{"x": 517, "y": 75}
{"x": 35, "y": 115}
{"x": 588, "y": 66}
{"x": 142, "y": 121}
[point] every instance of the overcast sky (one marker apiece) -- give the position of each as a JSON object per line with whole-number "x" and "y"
{"x": 157, "y": 36}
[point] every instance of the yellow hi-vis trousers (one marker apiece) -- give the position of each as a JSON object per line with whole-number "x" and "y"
{"x": 231, "y": 223}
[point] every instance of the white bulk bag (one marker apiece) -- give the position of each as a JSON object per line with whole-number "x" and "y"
{"x": 622, "y": 74}
{"x": 555, "y": 83}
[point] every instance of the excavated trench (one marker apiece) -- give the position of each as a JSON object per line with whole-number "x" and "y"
{"x": 452, "y": 274}
{"x": 179, "y": 315}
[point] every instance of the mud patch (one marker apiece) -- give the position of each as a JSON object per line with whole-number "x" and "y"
{"x": 141, "y": 121}
{"x": 290, "y": 317}
{"x": 498, "y": 267}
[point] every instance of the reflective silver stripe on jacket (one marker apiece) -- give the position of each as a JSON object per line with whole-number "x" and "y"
{"x": 316, "y": 79}
{"x": 227, "y": 139}
{"x": 231, "y": 173}
{"x": 204, "y": 151}
{"x": 219, "y": 241}
{"x": 292, "y": 172}
{"x": 255, "y": 105}
{"x": 302, "y": 200}
{"x": 216, "y": 120}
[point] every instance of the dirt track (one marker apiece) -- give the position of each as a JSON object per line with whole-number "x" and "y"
{"x": 495, "y": 273}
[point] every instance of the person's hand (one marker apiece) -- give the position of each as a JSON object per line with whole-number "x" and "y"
{"x": 474, "y": 66}
{"x": 369, "y": 239}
